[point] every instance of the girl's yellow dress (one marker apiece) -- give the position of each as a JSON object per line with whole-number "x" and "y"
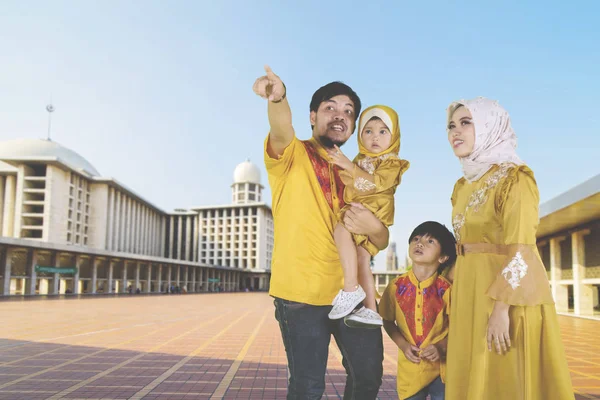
{"x": 385, "y": 167}
{"x": 495, "y": 221}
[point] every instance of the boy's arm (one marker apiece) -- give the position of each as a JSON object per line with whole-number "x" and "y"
{"x": 271, "y": 87}
{"x": 442, "y": 346}
{"x": 410, "y": 352}
{"x": 394, "y": 333}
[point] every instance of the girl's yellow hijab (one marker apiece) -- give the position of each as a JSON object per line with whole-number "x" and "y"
{"x": 390, "y": 118}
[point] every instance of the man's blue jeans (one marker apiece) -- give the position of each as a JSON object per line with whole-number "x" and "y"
{"x": 306, "y": 332}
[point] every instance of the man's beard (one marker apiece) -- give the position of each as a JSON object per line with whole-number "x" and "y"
{"x": 328, "y": 143}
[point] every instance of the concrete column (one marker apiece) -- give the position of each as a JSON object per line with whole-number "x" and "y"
{"x": 124, "y": 278}
{"x": 143, "y": 230}
{"x": 148, "y": 230}
{"x": 159, "y": 284}
{"x": 583, "y": 294}
{"x": 178, "y": 254}
{"x": 111, "y": 219}
{"x": 8, "y": 218}
{"x": 185, "y": 277}
{"x": 123, "y": 239}
{"x": 169, "y": 278}
{"x": 138, "y": 268}
{"x": 156, "y": 236}
{"x": 128, "y": 226}
{"x": 117, "y": 232}
{"x": 196, "y": 237}
{"x": 194, "y": 285}
{"x": 163, "y": 235}
{"x": 2, "y": 183}
{"x": 94, "y": 275}
{"x": 559, "y": 292}
{"x": 6, "y": 263}
{"x": 56, "y": 280}
{"x": 171, "y": 233}
{"x": 136, "y": 228}
{"x": 77, "y": 275}
{"x": 32, "y": 260}
{"x": 111, "y": 271}
{"x": 149, "y": 281}
{"x": 189, "y": 242}
{"x": 178, "y": 276}
{"x": 140, "y": 229}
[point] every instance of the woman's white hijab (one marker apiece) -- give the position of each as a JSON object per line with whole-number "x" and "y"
{"x": 495, "y": 139}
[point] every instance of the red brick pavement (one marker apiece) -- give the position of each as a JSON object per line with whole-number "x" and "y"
{"x": 184, "y": 347}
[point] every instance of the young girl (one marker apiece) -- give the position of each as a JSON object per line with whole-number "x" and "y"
{"x": 370, "y": 180}
{"x": 504, "y": 339}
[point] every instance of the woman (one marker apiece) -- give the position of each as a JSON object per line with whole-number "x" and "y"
{"x": 504, "y": 339}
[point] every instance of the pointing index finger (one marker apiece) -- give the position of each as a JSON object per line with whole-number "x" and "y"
{"x": 270, "y": 73}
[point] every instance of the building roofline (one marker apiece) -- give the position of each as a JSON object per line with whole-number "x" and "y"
{"x": 202, "y": 208}
{"x": 571, "y": 196}
{"x": 574, "y": 208}
{"x": 115, "y": 183}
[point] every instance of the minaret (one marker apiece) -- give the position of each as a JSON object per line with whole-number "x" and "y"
{"x": 246, "y": 187}
{"x": 392, "y": 257}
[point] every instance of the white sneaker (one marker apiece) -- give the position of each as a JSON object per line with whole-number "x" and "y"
{"x": 364, "y": 318}
{"x": 345, "y": 302}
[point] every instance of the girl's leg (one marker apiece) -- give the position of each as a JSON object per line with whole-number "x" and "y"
{"x": 352, "y": 294}
{"x": 365, "y": 278}
{"x": 348, "y": 257}
{"x": 367, "y": 316}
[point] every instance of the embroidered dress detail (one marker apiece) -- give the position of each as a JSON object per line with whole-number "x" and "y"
{"x": 457, "y": 222}
{"x": 480, "y": 196}
{"x": 364, "y": 185}
{"x": 515, "y": 271}
{"x": 367, "y": 165}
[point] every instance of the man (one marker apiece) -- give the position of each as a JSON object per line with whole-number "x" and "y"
{"x": 306, "y": 273}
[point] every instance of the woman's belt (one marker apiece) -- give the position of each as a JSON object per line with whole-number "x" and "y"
{"x": 491, "y": 248}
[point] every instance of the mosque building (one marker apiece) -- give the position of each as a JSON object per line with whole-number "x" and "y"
{"x": 57, "y": 211}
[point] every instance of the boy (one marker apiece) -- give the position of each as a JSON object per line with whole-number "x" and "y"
{"x": 414, "y": 308}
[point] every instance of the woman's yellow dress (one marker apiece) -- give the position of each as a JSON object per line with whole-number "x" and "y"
{"x": 495, "y": 221}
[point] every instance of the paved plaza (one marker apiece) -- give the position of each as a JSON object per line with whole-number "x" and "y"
{"x": 184, "y": 347}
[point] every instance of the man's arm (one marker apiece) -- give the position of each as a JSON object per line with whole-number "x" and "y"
{"x": 271, "y": 87}
{"x": 361, "y": 221}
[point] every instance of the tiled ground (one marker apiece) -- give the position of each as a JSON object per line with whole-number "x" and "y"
{"x": 184, "y": 347}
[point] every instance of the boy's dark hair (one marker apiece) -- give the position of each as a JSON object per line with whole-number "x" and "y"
{"x": 440, "y": 233}
{"x": 333, "y": 89}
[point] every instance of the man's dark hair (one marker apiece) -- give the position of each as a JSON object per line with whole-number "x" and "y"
{"x": 333, "y": 89}
{"x": 440, "y": 233}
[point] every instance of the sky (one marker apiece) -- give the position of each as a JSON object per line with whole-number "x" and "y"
{"x": 159, "y": 94}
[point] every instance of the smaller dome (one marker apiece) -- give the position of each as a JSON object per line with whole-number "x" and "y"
{"x": 246, "y": 172}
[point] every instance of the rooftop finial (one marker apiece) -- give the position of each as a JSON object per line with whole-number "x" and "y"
{"x": 50, "y": 109}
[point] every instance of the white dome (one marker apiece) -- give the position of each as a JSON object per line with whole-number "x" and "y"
{"x": 44, "y": 150}
{"x": 246, "y": 172}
